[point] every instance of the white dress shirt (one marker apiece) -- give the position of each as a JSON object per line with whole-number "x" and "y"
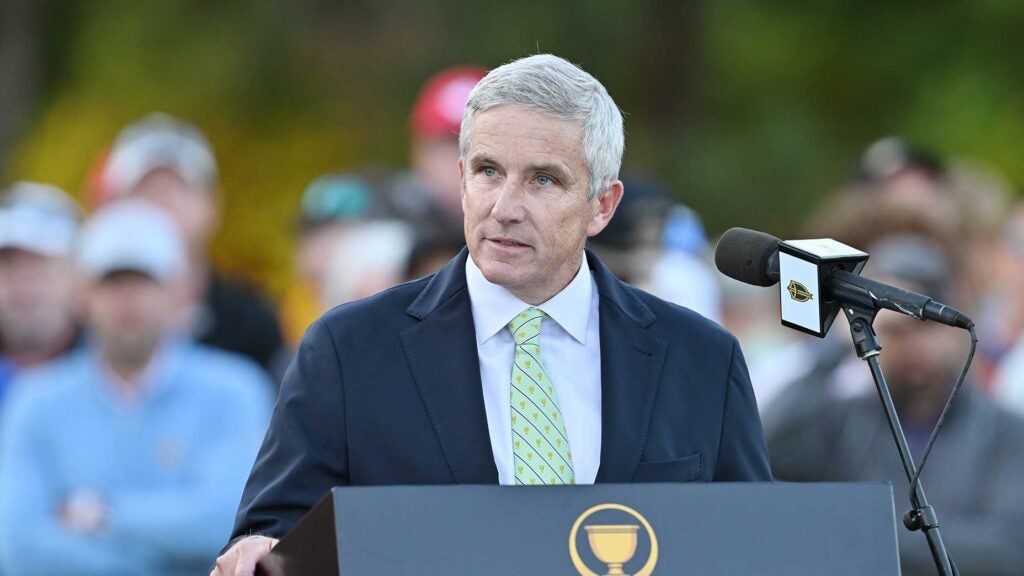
{"x": 570, "y": 351}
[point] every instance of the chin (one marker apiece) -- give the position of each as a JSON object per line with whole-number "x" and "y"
{"x": 497, "y": 272}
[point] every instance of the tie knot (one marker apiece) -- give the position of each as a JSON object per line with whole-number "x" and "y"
{"x": 526, "y": 326}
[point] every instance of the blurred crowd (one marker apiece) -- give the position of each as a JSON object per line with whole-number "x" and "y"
{"x": 136, "y": 379}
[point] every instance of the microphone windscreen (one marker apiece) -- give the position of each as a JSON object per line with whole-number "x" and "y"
{"x": 744, "y": 255}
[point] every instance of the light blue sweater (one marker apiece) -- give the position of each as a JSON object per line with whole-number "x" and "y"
{"x": 170, "y": 463}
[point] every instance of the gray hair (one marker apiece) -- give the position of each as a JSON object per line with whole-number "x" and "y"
{"x": 549, "y": 84}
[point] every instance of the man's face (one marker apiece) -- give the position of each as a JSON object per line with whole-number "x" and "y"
{"x": 195, "y": 210}
{"x": 36, "y": 299}
{"x": 524, "y": 194}
{"x": 315, "y": 247}
{"x": 920, "y": 359}
{"x": 436, "y": 161}
{"x": 129, "y": 313}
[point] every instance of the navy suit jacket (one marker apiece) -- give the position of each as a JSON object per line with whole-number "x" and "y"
{"x": 387, "y": 390}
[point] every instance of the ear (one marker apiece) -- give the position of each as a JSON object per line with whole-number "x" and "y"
{"x": 605, "y": 204}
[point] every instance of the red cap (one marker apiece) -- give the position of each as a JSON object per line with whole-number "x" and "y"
{"x": 439, "y": 107}
{"x": 98, "y": 190}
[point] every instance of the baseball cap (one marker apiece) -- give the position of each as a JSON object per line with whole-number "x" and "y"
{"x": 131, "y": 235}
{"x": 159, "y": 141}
{"x": 442, "y": 100}
{"x": 337, "y": 197}
{"x": 916, "y": 259}
{"x": 38, "y": 218}
{"x": 891, "y": 155}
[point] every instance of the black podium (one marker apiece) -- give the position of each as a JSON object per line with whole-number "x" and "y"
{"x": 637, "y": 529}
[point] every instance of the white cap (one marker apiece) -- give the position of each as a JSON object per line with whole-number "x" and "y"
{"x": 38, "y": 218}
{"x": 159, "y": 141}
{"x": 131, "y": 235}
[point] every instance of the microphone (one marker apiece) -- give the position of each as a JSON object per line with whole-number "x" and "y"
{"x": 827, "y": 266}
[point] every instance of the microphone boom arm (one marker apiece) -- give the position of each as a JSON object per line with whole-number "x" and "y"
{"x": 860, "y": 309}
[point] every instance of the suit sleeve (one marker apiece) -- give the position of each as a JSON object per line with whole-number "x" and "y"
{"x": 742, "y": 455}
{"x": 304, "y": 453}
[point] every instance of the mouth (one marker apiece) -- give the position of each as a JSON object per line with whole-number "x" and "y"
{"x": 507, "y": 242}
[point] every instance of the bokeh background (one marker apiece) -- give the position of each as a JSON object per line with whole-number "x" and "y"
{"x": 750, "y": 111}
{"x": 752, "y": 114}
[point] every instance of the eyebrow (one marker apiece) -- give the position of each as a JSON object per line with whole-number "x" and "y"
{"x": 555, "y": 170}
{"x": 478, "y": 159}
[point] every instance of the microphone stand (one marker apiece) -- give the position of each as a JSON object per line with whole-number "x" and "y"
{"x": 922, "y": 516}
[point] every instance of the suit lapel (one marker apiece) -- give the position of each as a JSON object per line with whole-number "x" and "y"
{"x": 441, "y": 351}
{"x": 631, "y": 367}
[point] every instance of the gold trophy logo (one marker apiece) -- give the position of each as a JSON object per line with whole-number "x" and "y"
{"x": 613, "y": 544}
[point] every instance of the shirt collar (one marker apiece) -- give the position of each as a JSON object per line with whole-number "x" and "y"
{"x": 493, "y": 305}
{"x": 157, "y": 377}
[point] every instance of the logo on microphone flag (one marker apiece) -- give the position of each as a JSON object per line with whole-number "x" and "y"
{"x": 799, "y": 292}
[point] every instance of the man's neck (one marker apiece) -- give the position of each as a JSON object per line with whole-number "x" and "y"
{"x": 922, "y": 410}
{"x": 32, "y": 355}
{"x": 128, "y": 372}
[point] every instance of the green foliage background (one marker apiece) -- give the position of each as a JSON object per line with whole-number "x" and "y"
{"x": 751, "y": 111}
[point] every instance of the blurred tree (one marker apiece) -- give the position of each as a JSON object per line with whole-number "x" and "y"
{"x": 19, "y": 70}
{"x": 797, "y": 91}
{"x": 751, "y": 111}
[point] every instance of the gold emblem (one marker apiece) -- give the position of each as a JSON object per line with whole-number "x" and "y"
{"x": 799, "y": 292}
{"x": 613, "y": 544}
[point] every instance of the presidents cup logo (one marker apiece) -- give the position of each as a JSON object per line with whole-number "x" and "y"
{"x": 799, "y": 292}
{"x": 614, "y": 544}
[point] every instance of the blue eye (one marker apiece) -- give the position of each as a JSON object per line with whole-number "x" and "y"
{"x": 489, "y": 171}
{"x": 544, "y": 180}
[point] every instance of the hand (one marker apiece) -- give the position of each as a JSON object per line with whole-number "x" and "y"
{"x": 241, "y": 559}
{"x": 85, "y": 511}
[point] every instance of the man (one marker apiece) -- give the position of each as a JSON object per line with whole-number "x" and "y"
{"x": 127, "y": 456}
{"x": 335, "y": 259}
{"x": 171, "y": 164}
{"x": 443, "y": 380}
{"x": 427, "y": 196}
{"x": 38, "y": 224}
{"x": 972, "y": 477}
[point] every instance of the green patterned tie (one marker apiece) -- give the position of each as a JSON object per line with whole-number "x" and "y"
{"x": 540, "y": 444}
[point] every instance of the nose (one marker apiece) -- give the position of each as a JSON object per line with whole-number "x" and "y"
{"x": 508, "y": 206}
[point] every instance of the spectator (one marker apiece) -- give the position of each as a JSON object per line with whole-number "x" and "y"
{"x": 681, "y": 274}
{"x": 429, "y": 195}
{"x": 38, "y": 224}
{"x": 371, "y": 258}
{"x": 976, "y": 200}
{"x": 171, "y": 164}
{"x": 903, "y": 199}
{"x": 972, "y": 478}
{"x": 330, "y": 207}
{"x": 902, "y": 170}
{"x": 1008, "y": 384}
{"x": 129, "y": 455}
{"x": 659, "y": 246}
{"x": 429, "y": 254}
